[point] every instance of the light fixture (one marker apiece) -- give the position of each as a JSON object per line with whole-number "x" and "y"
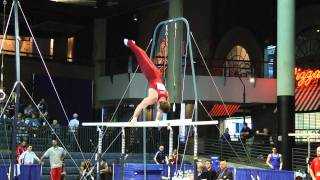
{"x": 252, "y": 80}
{"x": 135, "y": 18}
{"x": 318, "y": 30}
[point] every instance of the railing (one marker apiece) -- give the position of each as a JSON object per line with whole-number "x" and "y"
{"x": 254, "y": 154}
{"x": 40, "y": 138}
{"x": 227, "y": 68}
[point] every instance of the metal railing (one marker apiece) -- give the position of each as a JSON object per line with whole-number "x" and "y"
{"x": 40, "y": 138}
{"x": 251, "y": 153}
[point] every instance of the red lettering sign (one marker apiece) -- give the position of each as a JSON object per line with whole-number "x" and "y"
{"x": 307, "y": 77}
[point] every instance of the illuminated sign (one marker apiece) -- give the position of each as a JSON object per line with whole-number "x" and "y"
{"x": 306, "y": 77}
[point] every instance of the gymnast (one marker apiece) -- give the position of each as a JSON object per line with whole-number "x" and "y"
{"x": 157, "y": 93}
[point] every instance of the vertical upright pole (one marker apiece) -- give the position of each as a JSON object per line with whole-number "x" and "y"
{"x": 144, "y": 147}
{"x": 17, "y": 102}
{"x": 100, "y": 136}
{"x": 170, "y": 170}
{"x": 99, "y": 151}
{"x": 123, "y": 152}
{"x": 285, "y": 76}
{"x": 174, "y": 51}
{"x": 195, "y": 151}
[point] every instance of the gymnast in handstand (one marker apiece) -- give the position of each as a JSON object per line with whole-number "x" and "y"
{"x": 157, "y": 93}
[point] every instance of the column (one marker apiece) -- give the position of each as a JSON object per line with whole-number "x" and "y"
{"x": 285, "y": 76}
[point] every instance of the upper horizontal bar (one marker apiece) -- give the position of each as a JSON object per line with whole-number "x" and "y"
{"x": 176, "y": 122}
{"x": 305, "y": 135}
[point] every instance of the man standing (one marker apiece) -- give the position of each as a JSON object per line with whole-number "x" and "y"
{"x": 28, "y": 157}
{"x": 20, "y": 149}
{"x": 74, "y": 123}
{"x": 274, "y": 160}
{"x": 315, "y": 166}
{"x": 245, "y": 133}
{"x": 160, "y": 157}
{"x": 223, "y": 173}
{"x": 211, "y": 174}
{"x": 56, "y": 156}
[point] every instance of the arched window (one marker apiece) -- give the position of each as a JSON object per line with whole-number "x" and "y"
{"x": 308, "y": 46}
{"x": 237, "y": 62}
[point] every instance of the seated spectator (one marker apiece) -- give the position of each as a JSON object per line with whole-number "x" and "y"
{"x": 245, "y": 133}
{"x": 33, "y": 121}
{"x": 105, "y": 171}
{"x": 225, "y": 136}
{"x": 45, "y": 118}
{"x": 28, "y": 110}
{"x": 211, "y": 174}
{"x": 20, "y": 149}
{"x": 43, "y": 106}
{"x": 265, "y": 136}
{"x": 74, "y": 123}
{"x": 86, "y": 170}
{"x": 28, "y": 157}
{"x": 56, "y": 129}
{"x": 160, "y": 157}
{"x": 21, "y": 120}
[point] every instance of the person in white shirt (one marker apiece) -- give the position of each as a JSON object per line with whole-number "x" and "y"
{"x": 74, "y": 123}
{"x": 56, "y": 156}
{"x": 28, "y": 157}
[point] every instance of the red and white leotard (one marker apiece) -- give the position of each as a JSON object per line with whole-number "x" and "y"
{"x": 150, "y": 71}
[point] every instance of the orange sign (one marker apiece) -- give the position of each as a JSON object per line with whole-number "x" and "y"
{"x": 306, "y": 77}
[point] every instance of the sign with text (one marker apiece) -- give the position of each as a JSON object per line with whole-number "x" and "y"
{"x": 306, "y": 77}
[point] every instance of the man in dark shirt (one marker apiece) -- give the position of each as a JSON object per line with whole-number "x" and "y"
{"x": 223, "y": 173}
{"x": 211, "y": 174}
{"x": 225, "y": 136}
{"x": 245, "y": 133}
{"x": 160, "y": 157}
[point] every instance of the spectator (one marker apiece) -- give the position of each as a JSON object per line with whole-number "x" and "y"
{"x": 315, "y": 166}
{"x": 20, "y": 149}
{"x": 86, "y": 170}
{"x": 43, "y": 106}
{"x": 223, "y": 173}
{"x": 245, "y": 133}
{"x": 45, "y": 118}
{"x": 56, "y": 129}
{"x": 105, "y": 171}
{"x": 174, "y": 156}
{"x": 56, "y": 156}
{"x": 274, "y": 160}
{"x": 21, "y": 120}
{"x": 74, "y": 123}
{"x": 211, "y": 174}
{"x": 28, "y": 110}
{"x": 160, "y": 157}
{"x": 28, "y": 157}
{"x": 33, "y": 121}
{"x": 225, "y": 136}
{"x": 201, "y": 172}
{"x": 265, "y": 136}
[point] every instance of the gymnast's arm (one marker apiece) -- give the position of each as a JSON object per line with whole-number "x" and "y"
{"x": 151, "y": 99}
{"x": 268, "y": 161}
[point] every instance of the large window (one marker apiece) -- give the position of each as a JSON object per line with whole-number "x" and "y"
{"x": 238, "y": 62}
{"x": 9, "y": 45}
{"x": 70, "y": 49}
{"x": 308, "y": 45}
{"x": 307, "y": 123}
{"x": 235, "y": 125}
